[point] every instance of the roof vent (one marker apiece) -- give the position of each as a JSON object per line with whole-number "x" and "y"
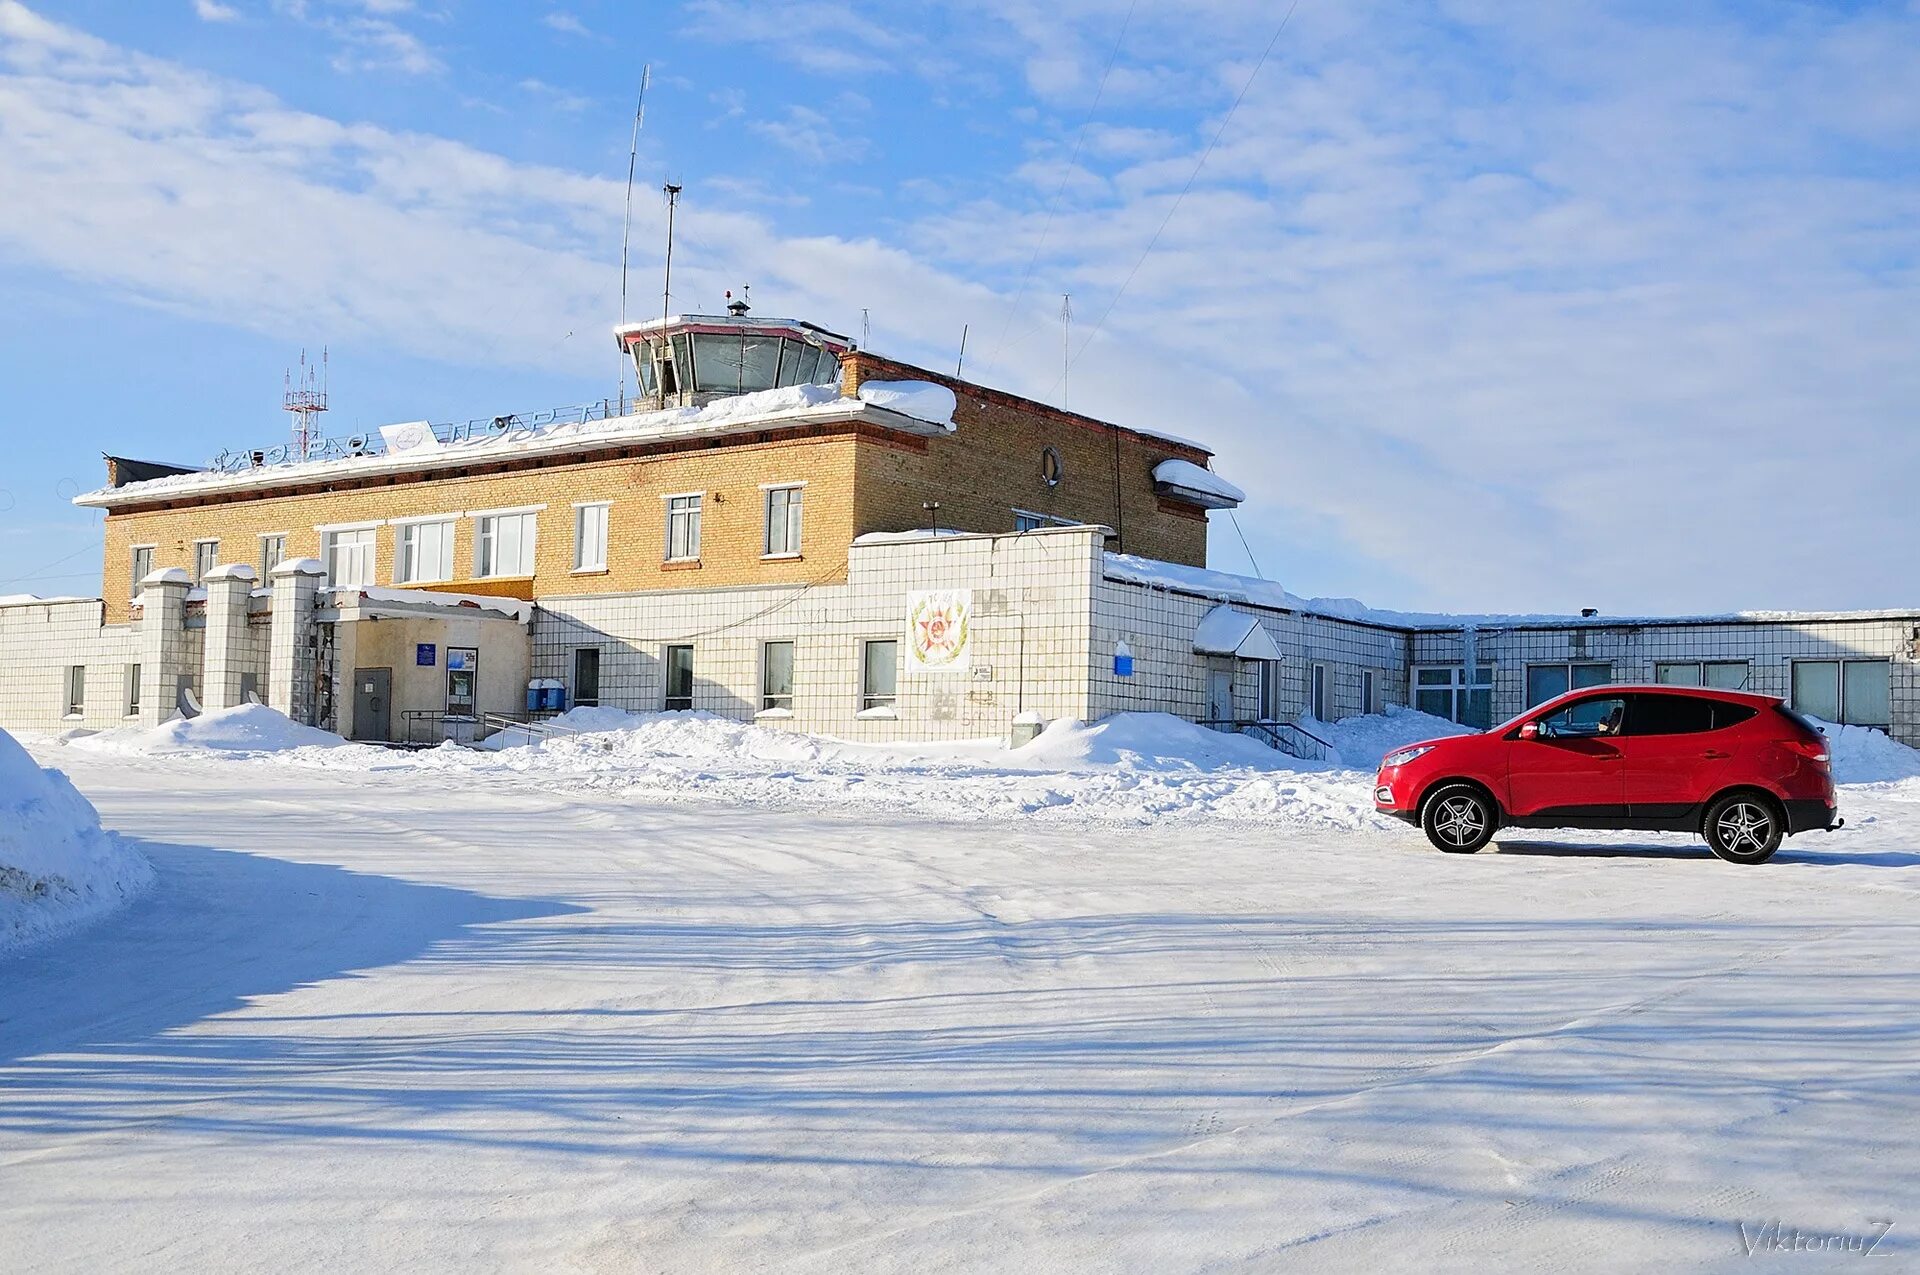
{"x": 1587, "y": 613}
{"x": 738, "y": 307}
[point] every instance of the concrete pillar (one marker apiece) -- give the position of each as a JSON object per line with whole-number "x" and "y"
{"x": 292, "y": 645}
{"x": 163, "y": 647}
{"x": 224, "y": 653}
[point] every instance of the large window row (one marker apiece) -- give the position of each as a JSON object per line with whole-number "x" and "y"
{"x": 505, "y": 541}
{"x": 878, "y": 689}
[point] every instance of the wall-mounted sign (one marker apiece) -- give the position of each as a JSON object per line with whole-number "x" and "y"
{"x": 426, "y": 654}
{"x": 939, "y": 631}
{"x": 1122, "y": 660}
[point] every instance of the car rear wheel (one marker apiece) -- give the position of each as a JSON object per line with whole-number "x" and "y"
{"x": 1459, "y": 819}
{"x": 1743, "y": 828}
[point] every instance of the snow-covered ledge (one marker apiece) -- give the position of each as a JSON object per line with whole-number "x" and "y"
{"x": 1184, "y": 481}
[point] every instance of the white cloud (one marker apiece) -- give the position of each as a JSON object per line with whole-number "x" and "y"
{"x": 567, "y": 24}
{"x": 811, "y": 135}
{"x": 213, "y": 11}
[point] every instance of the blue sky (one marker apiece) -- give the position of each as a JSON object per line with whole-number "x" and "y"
{"x": 1487, "y": 305}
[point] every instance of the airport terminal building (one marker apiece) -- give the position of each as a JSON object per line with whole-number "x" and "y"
{"x": 786, "y": 528}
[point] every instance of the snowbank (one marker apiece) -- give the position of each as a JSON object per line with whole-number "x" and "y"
{"x": 1362, "y": 741}
{"x": 249, "y": 728}
{"x": 1863, "y": 756}
{"x": 57, "y": 866}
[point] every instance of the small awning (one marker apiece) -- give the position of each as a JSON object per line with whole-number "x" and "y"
{"x": 1226, "y": 630}
{"x": 1184, "y": 481}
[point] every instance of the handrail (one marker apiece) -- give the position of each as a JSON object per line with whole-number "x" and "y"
{"x": 1286, "y": 737}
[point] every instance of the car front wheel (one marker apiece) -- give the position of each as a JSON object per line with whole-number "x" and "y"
{"x": 1459, "y": 819}
{"x": 1743, "y": 828}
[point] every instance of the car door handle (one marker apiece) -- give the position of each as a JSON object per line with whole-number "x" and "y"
{"x": 1714, "y": 754}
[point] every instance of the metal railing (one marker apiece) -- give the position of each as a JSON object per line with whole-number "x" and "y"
{"x": 372, "y": 444}
{"x": 1288, "y": 737}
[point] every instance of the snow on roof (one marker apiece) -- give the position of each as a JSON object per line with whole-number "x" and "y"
{"x": 34, "y": 599}
{"x": 1226, "y": 630}
{"x": 1226, "y": 587}
{"x": 166, "y": 575}
{"x": 736, "y": 414}
{"x": 433, "y": 599}
{"x": 1185, "y": 476}
{"x": 923, "y": 400}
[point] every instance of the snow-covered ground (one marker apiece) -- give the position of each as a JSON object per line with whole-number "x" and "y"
{"x": 778, "y": 1003}
{"x": 57, "y": 867}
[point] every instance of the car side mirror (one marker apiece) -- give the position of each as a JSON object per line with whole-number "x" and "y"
{"x": 1530, "y": 730}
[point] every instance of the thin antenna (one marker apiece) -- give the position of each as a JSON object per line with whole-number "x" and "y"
{"x": 666, "y": 287}
{"x": 963, "y": 351}
{"x": 866, "y": 328}
{"x": 1066, "y": 343}
{"x": 626, "y": 231}
{"x": 305, "y": 399}
{"x": 633, "y": 156}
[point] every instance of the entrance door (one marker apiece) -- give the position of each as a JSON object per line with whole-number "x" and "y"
{"x": 1219, "y": 695}
{"x": 1318, "y": 702}
{"x": 373, "y": 703}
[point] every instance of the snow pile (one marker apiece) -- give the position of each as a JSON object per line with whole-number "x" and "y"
{"x": 249, "y": 728}
{"x": 922, "y": 400}
{"x": 1865, "y": 756}
{"x": 1362, "y": 741}
{"x": 57, "y": 866}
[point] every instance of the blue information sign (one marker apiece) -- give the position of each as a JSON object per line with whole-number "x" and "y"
{"x": 426, "y": 655}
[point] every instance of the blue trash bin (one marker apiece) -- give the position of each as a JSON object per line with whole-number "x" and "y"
{"x": 555, "y": 699}
{"x": 535, "y": 696}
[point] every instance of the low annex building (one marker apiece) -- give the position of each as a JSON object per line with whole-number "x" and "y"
{"x": 787, "y": 528}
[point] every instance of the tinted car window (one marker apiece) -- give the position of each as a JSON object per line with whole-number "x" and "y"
{"x": 1725, "y": 715}
{"x": 1584, "y": 719}
{"x": 1669, "y": 715}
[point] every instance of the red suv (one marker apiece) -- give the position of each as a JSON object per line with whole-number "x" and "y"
{"x": 1741, "y": 770}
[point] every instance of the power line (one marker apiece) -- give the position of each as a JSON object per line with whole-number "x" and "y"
{"x": 1191, "y": 178}
{"x": 35, "y": 573}
{"x": 1066, "y": 174}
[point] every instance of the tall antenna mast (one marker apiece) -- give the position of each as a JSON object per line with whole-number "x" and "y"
{"x": 305, "y": 399}
{"x": 666, "y": 286}
{"x": 866, "y": 328}
{"x": 962, "y": 360}
{"x": 1066, "y": 341}
{"x": 626, "y": 231}
{"x": 633, "y": 156}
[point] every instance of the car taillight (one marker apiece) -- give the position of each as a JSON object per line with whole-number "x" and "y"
{"x": 1811, "y": 749}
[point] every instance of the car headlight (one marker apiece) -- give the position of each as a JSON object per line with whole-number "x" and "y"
{"x": 1404, "y": 756}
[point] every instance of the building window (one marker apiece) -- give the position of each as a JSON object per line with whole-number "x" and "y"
{"x": 503, "y": 545}
{"x": 273, "y": 552}
{"x": 586, "y": 677}
{"x": 776, "y": 677}
{"x": 590, "y": 537}
{"x": 1851, "y": 692}
{"x": 1544, "y": 681}
{"x": 206, "y": 556}
{"x": 349, "y": 558}
{"x": 1369, "y": 691}
{"x": 1028, "y": 520}
{"x": 142, "y": 564}
{"x": 76, "y": 690}
{"x": 783, "y": 521}
{"x": 1725, "y": 675}
{"x": 426, "y": 553}
{"x": 683, "y": 528}
{"x": 679, "y": 679}
{"x": 1441, "y": 691}
{"x": 1270, "y": 690}
{"x": 879, "y": 675}
{"x": 133, "y": 690}
{"x": 1320, "y": 694}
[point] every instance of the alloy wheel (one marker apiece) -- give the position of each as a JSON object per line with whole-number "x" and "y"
{"x": 1745, "y": 826}
{"x": 1460, "y": 820}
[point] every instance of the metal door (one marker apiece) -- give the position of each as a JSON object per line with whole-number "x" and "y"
{"x": 1219, "y": 695}
{"x": 373, "y": 703}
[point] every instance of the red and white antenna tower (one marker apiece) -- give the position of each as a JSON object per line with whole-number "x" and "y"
{"x": 306, "y": 398}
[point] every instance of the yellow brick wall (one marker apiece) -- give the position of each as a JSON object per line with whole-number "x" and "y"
{"x": 991, "y": 466}
{"x": 731, "y": 536}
